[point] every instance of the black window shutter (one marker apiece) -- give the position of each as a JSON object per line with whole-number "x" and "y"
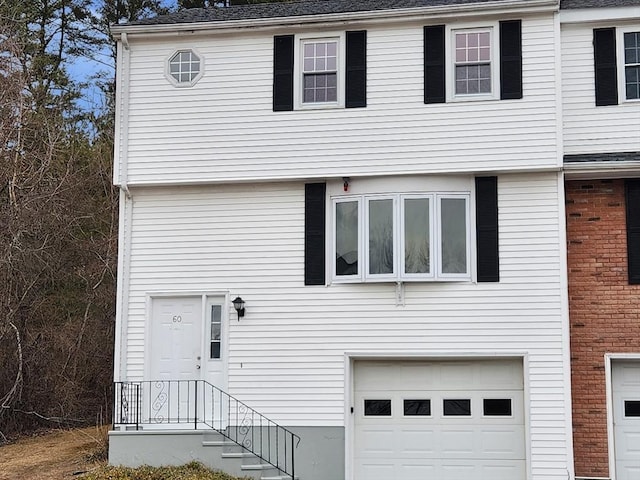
{"x": 632, "y": 197}
{"x": 283, "y": 73}
{"x": 314, "y": 233}
{"x": 604, "y": 57}
{"x": 434, "y": 76}
{"x": 356, "y": 74}
{"x": 510, "y": 60}
{"x": 487, "y": 229}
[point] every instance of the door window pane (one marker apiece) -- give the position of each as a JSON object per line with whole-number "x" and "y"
{"x": 414, "y": 408}
{"x": 416, "y": 235}
{"x": 347, "y": 238}
{"x": 457, "y": 407}
{"x": 453, "y": 223}
{"x": 216, "y": 331}
{"x": 377, "y": 408}
{"x": 380, "y": 236}
{"x": 632, "y": 408}
{"x": 497, "y": 407}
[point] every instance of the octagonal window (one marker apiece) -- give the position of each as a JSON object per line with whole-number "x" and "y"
{"x": 185, "y": 68}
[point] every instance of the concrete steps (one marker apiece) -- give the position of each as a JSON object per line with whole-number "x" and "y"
{"x": 235, "y": 460}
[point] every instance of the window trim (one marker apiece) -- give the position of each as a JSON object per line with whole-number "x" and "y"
{"x": 298, "y": 59}
{"x": 172, "y": 79}
{"x": 450, "y": 61}
{"x": 621, "y": 65}
{"x": 435, "y": 274}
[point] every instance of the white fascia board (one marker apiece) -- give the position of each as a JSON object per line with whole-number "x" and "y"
{"x": 597, "y": 170}
{"x": 328, "y": 20}
{"x": 599, "y": 15}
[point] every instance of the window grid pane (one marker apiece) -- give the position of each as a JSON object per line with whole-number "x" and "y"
{"x": 216, "y": 331}
{"x": 632, "y": 65}
{"x": 184, "y": 66}
{"x": 319, "y": 68}
{"x": 472, "y": 63}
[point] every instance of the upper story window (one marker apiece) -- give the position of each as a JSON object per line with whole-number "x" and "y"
{"x": 632, "y": 65}
{"x": 395, "y": 237}
{"x": 320, "y": 71}
{"x": 616, "y": 59}
{"x": 472, "y": 60}
{"x": 184, "y": 68}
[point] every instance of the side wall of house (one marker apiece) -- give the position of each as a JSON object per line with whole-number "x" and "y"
{"x": 224, "y": 128}
{"x": 603, "y": 310}
{"x": 587, "y": 128}
{"x": 287, "y": 355}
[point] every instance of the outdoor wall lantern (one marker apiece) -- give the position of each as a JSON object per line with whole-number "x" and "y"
{"x": 238, "y": 304}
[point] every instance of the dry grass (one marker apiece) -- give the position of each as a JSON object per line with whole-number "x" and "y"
{"x": 81, "y": 454}
{"x": 56, "y": 455}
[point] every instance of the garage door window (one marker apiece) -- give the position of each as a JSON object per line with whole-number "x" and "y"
{"x": 417, "y": 408}
{"x": 632, "y": 408}
{"x": 457, "y": 408}
{"x": 377, "y": 408}
{"x": 496, "y": 407}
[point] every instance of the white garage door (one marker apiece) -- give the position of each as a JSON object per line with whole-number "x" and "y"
{"x": 445, "y": 420}
{"x": 625, "y": 376}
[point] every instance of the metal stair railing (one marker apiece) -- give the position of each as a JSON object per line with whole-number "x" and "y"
{"x": 199, "y": 405}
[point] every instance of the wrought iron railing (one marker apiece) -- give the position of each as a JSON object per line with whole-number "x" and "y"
{"x": 199, "y": 405}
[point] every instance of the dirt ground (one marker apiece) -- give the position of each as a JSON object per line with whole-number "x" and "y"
{"x": 55, "y": 455}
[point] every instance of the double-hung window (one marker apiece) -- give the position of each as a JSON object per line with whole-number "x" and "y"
{"x": 472, "y": 58}
{"x": 402, "y": 237}
{"x": 320, "y": 71}
{"x": 631, "y": 45}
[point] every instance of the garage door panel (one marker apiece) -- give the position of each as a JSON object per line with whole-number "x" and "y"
{"x": 502, "y": 442}
{"x": 375, "y": 442}
{"x": 630, "y": 443}
{"x": 417, "y": 441}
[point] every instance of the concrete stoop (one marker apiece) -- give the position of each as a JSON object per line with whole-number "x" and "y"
{"x": 237, "y": 461}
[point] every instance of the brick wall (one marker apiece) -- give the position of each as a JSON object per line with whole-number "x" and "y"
{"x": 603, "y": 309}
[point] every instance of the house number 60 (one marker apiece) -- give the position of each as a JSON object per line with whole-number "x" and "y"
{"x": 177, "y": 319}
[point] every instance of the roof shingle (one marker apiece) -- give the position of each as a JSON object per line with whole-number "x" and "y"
{"x": 293, "y": 9}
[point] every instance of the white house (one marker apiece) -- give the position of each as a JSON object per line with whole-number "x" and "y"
{"x": 381, "y": 183}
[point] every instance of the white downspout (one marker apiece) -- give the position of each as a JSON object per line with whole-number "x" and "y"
{"x": 126, "y": 207}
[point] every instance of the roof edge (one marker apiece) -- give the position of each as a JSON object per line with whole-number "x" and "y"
{"x": 520, "y": 6}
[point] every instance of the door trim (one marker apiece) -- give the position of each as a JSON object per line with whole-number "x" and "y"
{"x": 609, "y": 359}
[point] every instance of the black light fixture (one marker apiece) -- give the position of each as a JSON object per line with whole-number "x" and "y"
{"x": 238, "y": 304}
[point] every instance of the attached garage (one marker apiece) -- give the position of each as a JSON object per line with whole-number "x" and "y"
{"x": 625, "y": 380}
{"x": 448, "y": 420}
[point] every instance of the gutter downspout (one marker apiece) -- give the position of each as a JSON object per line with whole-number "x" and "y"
{"x": 125, "y": 210}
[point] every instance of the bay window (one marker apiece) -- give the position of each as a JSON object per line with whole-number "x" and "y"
{"x": 401, "y": 237}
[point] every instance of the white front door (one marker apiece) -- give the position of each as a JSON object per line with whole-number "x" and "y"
{"x": 175, "y": 359}
{"x": 625, "y": 376}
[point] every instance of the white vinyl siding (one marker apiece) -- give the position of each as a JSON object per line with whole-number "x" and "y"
{"x": 587, "y": 128}
{"x": 287, "y": 355}
{"x": 224, "y": 128}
